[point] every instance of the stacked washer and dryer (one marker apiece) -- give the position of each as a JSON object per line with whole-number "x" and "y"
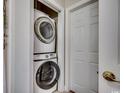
{"x": 46, "y": 69}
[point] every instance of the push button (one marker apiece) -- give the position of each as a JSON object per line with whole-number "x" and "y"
{"x": 47, "y": 56}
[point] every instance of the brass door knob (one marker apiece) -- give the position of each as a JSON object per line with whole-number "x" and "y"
{"x": 109, "y": 76}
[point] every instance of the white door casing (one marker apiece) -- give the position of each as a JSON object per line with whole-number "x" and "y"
{"x": 20, "y": 50}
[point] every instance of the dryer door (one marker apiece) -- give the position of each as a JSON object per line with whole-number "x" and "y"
{"x": 47, "y": 75}
{"x": 45, "y": 29}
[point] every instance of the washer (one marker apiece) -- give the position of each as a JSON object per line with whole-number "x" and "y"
{"x": 44, "y": 33}
{"x": 46, "y": 74}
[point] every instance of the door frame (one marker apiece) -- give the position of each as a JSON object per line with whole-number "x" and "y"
{"x": 60, "y": 10}
{"x": 11, "y": 43}
{"x": 68, "y": 11}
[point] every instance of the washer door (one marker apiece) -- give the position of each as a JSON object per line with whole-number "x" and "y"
{"x": 44, "y": 29}
{"x": 47, "y": 75}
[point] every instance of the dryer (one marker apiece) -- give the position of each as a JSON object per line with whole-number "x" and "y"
{"x": 46, "y": 74}
{"x": 44, "y": 33}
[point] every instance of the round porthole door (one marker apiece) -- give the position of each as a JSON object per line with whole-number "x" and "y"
{"x": 44, "y": 29}
{"x": 47, "y": 75}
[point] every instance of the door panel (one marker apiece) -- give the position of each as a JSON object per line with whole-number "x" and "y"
{"x": 108, "y": 44}
{"x": 84, "y": 49}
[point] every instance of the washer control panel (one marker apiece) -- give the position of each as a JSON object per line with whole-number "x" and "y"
{"x": 45, "y": 56}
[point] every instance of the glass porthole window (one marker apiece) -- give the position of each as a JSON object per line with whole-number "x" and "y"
{"x": 45, "y": 29}
{"x": 47, "y": 75}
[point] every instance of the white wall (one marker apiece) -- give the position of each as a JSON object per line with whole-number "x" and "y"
{"x": 71, "y": 2}
{"x": 61, "y": 2}
{"x": 20, "y": 48}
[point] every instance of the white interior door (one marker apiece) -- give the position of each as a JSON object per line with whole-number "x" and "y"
{"x": 84, "y": 48}
{"x": 90, "y": 46}
{"x": 108, "y": 44}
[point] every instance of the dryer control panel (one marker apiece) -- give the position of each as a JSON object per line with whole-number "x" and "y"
{"x": 45, "y": 56}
